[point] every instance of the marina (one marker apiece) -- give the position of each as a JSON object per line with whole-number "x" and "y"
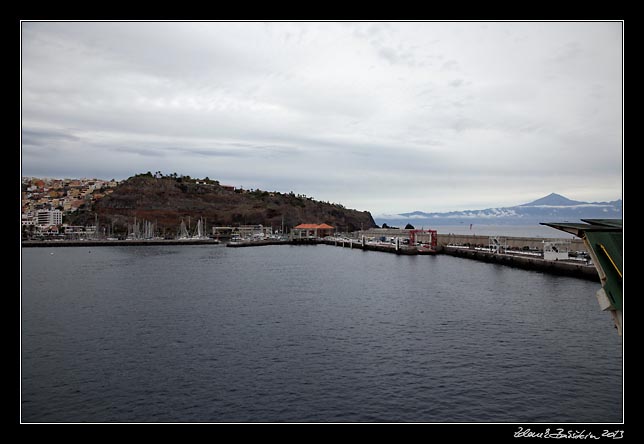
{"x": 523, "y": 254}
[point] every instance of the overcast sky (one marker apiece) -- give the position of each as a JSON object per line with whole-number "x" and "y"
{"x": 385, "y": 117}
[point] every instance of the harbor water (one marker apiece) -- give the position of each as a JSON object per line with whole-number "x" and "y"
{"x": 206, "y": 333}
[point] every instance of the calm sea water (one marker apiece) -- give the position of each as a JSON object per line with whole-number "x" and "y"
{"x": 315, "y": 333}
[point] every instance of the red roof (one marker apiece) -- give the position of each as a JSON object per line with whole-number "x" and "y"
{"x": 314, "y": 227}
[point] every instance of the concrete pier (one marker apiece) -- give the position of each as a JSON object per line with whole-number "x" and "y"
{"x": 517, "y": 243}
{"x": 371, "y": 247}
{"x": 561, "y": 268}
{"x": 513, "y": 242}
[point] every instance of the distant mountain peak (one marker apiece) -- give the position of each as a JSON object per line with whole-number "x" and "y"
{"x": 552, "y": 199}
{"x": 551, "y": 207}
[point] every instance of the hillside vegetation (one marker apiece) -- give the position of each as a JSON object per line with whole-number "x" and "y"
{"x": 167, "y": 200}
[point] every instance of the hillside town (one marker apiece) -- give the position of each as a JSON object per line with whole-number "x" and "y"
{"x": 45, "y": 201}
{"x": 58, "y": 209}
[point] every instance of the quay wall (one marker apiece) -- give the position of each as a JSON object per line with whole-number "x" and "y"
{"x": 576, "y": 244}
{"x": 367, "y": 247}
{"x": 512, "y": 242}
{"x": 562, "y": 268}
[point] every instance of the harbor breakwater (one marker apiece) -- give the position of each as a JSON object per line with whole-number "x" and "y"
{"x": 386, "y": 248}
{"x": 577, "y": 269}
{"x": 512, "y": 259}
{"x": 562, "y": 268}
{"x": 513, "y": 242}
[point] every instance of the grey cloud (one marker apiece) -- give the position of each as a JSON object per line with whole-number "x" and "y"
{"x": 389, "y": 54}
{"x": 450, "y": 65}
{"x": 214, "y": 150}
{"x": 465, "y": 123}
{"x": 147, "y": 152}
{"x": 398, "y": 56}
{"x": 388, "y": 46}
{"x": 40, "y": 136}
{"x": 238, "y": 151}
{"x": 307, "y": 106}
{"x": 567, "y": 52}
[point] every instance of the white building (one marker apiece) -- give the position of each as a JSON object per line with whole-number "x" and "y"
{"x": 555, "y": 250}
{"x": 49, "y": 217}
{"x": 28, "y": 219}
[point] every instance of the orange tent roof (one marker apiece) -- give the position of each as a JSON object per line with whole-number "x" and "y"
{"x": 314, "y": 227}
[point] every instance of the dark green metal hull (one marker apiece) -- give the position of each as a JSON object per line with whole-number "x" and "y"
{"x": 604, "y": 240}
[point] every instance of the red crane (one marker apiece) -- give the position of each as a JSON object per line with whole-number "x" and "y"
{"x": 434, "y": 237}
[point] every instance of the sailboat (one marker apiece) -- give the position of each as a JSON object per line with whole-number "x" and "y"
{"x": 183, "y": 231}
{"x": 199, "y": 234}
{"x": 199, "y": 231}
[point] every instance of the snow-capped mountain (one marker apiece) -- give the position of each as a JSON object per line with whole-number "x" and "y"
{"x": 551, "y": 208}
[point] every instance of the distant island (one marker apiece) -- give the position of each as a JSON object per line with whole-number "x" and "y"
{"x": 553, "y": 207}
{"x": 165, "y": 201}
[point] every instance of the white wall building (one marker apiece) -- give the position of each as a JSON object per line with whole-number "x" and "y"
{"x": 49, "y": 217}
{"x": 554, "y": 251}
{"x": 28, "y": 219}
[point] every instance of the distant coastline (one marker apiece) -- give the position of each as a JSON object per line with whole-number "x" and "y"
{"x": 495, "y": 230}
{"x": 553, "y": 207}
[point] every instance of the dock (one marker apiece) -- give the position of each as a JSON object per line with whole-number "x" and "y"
{"x": 535, "y": 263}
{"x": 386, "y": 248}
{"x": 382, "y": 247}
{"x": 118, "y": 243}
{"x": 576, "y": 269}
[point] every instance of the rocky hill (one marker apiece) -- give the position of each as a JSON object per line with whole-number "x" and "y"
{"x": 168, "y": 200}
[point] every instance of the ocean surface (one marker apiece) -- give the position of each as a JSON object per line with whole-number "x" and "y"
{"x": 308, "y": 334}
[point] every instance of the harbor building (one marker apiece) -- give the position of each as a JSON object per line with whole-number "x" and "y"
{"x": 556, "y": 250}
{"x": 311, "y": 231}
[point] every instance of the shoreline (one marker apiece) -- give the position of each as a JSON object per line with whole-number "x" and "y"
{"x": 561, "y": 268}
{"x": 118, "y": 243}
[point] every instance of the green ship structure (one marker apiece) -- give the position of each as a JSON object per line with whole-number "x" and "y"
{"x": 604, "y": 241}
